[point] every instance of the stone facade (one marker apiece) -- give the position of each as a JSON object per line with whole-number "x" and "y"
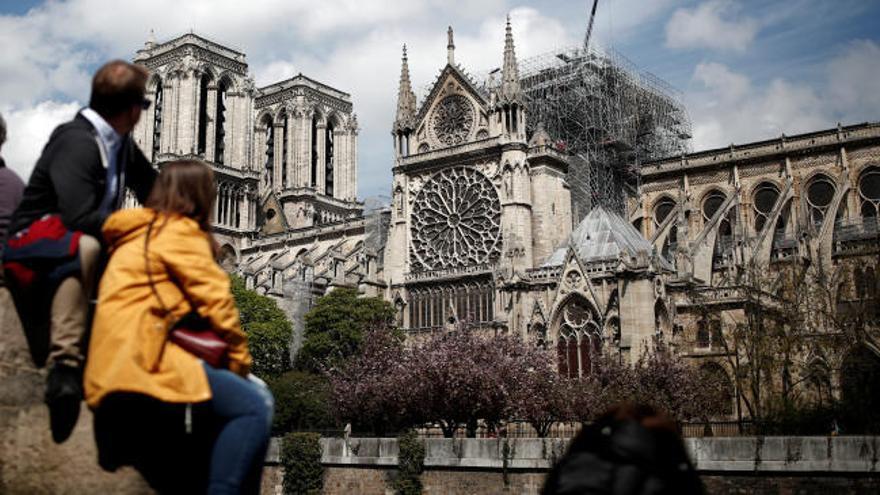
{"x": 480, "y": 229}
{"x": 285, "y": 161}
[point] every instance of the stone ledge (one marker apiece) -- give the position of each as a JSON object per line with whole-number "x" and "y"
{"x": 843, "y": 454}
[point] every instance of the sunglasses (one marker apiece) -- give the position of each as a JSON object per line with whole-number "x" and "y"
{"x": 145, "y": 103}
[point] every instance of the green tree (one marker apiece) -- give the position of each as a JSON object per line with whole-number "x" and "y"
{"x": 336, "y": 326}
{"x": 268, "y": 330}
{"x": 301, "y": 402}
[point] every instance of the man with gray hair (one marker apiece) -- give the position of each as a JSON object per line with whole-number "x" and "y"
{"x": 11, "y": 188}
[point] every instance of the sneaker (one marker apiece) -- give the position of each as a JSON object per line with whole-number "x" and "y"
{"x": 63, "y": 396}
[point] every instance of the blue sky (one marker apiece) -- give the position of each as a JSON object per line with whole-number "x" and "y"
{"x": 747, "y": 70}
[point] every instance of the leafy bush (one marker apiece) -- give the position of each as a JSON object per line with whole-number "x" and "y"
{"x": 268, "y": 329}
{"x": 410, "y": 464}
{"x": 300, "y": 402}
{"x": 301, "y": 459}
{"x": 335, "y": 326}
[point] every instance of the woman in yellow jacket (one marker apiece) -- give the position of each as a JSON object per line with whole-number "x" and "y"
{"x": 157, "y": 407}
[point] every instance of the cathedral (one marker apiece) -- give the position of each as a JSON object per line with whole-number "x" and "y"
{"x": 483, "y": 228}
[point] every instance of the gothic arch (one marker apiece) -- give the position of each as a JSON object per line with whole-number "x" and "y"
{"x": 228, "y": 257}
{"x": 710, "y": 194}
{"x": 228, "y": 81}
{"x": 819, "y": 190}
{"x": 750, "y": 192}
{"x": 577, "y": 335}
{"x": 280, "y": 114}
{"x": 868, "y": 191}
{"x": 264, "y": 118}
{"x": 662, "y": 321}
{"x": 722, "y": 394}
{"x": 155, "y": 80}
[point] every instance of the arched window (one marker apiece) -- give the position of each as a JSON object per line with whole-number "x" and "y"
{"x": 869, "y": 192}
{"x": 662, "y": 210}
{"x": 579, "y": 341}
{"x": 724, "y": 240}
{"x": 269, "y": 152}
{"x": 765, "y": 199}
{"x": 314, "y": 163}
{"x": 820, "y": 193}
{"x": 284, "y": 148}
{"x": 202, "y": 140}
{"x": 220, "y": 122}
{"x": 328, "y": 159}
{"x": 158, "y": 104}
{"x": 717, "y": 382}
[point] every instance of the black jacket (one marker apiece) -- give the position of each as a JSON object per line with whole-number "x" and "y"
{"x": 623, "y": 458}
{"x": 70, "y": 179}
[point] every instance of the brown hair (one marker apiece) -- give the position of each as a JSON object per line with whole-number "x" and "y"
{"x": 117, "y": 86}
{"x": 186, "y": 187}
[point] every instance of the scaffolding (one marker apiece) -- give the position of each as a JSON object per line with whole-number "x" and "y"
{"x": 609, "y": 116}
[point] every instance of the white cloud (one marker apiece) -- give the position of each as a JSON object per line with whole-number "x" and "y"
{"x": 28, "y": 130}
{"x": 714, "y": 25}
{"x": 368, "y": 67}
{"x": 853, "y": 79}
{"x": 729, "y": 108}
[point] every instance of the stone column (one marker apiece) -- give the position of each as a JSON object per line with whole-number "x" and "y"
{"x": 306, "y": 149}
{"x": 352, "y": 163}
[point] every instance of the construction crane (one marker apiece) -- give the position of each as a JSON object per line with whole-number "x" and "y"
{"x": 590, "y": 27}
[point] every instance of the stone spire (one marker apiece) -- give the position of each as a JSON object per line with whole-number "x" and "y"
{"x": 510, "y": 89}
{"x": 406, "y": 99}
{"x": 450, "y": 47}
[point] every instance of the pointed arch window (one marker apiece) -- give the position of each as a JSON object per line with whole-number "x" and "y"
{"x": 284, "y": 149}
{"x": 202, "y": 140}
{"x": 820, "y": 193}
{"x": 328, "y": 158}
{"x": 158, "y": 105}
{"x": 269, "y": 161}
{"x": 220, "y": 122}
{"x": 724, "y": 238}
{"x": 765, "y": 199}
{"x": 720, "y": 389}
{"x": 662, "y": 210}
{"x": 314, "y": 147}
{"x": 579, "y": 343}
{"x": 869, "y": 193}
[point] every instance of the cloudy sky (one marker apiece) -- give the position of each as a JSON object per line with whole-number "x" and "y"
{"x": 747, "y": 70}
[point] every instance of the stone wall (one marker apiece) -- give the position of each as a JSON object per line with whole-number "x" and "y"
{"x": 803, "y": 465}
{"x": 30, "y": 462}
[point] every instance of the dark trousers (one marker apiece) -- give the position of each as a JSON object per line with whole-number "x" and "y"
{"x": 218, "y": 447}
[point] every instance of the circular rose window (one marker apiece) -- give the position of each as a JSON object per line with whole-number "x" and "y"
{"x": 453, "y": 120}
{"x": 456, "y": 221}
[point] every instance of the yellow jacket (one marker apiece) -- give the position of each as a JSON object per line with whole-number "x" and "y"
{"x": 128, "y": 330}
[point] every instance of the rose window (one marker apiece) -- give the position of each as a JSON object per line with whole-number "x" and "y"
{"x": 453, "y": 119}
{"x": 456, "y": 221}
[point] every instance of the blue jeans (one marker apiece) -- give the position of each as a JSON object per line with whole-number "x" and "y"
{"x": 244, "y": 410}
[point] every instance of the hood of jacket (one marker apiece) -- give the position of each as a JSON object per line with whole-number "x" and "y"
{"x": 125, "y": 225}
